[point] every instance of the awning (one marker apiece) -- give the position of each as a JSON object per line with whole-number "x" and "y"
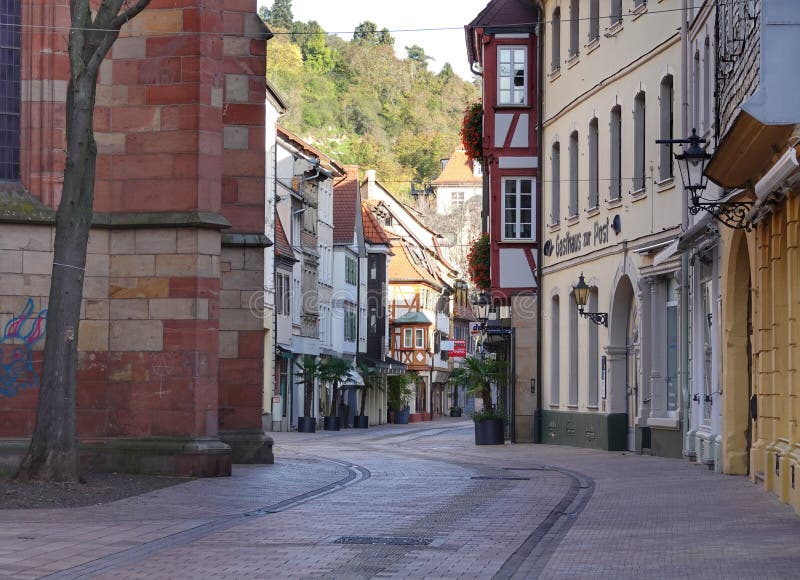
{"x": 701, "y": 230}
{"x": 440, "y": 376}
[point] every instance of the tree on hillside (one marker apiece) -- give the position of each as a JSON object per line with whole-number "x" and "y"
{"x": 53, "y": 452}
{"x": 263, "y": 13}
{"x": 280, "y": 15}
{"x": 366, "y": 32}
{"x": 417, "y": 54}
{"x": 385, "y": 38}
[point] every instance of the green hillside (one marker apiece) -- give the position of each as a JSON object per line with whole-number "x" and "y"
{"x": 360, "y": 104}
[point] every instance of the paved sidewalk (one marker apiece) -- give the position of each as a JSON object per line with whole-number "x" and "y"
{"x": 420, "y": 501}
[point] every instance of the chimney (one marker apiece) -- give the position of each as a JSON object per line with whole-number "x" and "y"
{"x": 370, "y": 173}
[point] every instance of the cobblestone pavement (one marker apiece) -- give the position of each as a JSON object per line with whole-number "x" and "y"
{"x": 420, "y": 501}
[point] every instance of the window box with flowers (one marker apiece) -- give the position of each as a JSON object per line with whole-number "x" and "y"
{"x": 478, "y": 260}
{"x": 472, "y": 131}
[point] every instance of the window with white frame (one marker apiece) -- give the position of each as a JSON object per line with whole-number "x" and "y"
{"x": 350, "y": 270}
{"x": 518, "y": 210}
{"x": 456, "y": 200}
{"x": 594, "y": 176}
{"x": 283, "y": 293}
{"x": 573, "y": 175}
{"x": 512, "y": 75}
{"x": 555, "y": 50}
{"x": 639, "y": 142}
{"x": 615, "y": 154}
{"x": 419, "y": 338}
{"x": 350, "y": 322}
{"x": 408, "y": 338}
{"x": 555, "y": 184}
{"x": 555, "y": 352}
{"x": 666, "y": 123}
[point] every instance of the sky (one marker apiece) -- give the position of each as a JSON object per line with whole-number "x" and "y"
{"x": 443, "y": 45}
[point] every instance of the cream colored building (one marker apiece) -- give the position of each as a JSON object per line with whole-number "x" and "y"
{"x": 611, "y": 199}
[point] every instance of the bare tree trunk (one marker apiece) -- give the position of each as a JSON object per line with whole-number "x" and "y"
{"x": 53, "y": 452}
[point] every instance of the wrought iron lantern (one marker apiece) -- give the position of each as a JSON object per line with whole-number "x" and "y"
{"x": 482, "y": 304}
{"x": 581, "y": 293}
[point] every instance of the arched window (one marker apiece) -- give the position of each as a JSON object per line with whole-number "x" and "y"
{"x": 573, "y": 174}
{"x": 615, "y": 12}
{"x": 555, "y": 350}
{"x": 10, "y": 69}
{"x": 615, "y": 158}
{"x": 594, "y": 177}
{"x": 592, "y": 353}
{"x": 574, "y": 27}
{"x": 573, "y": 352}
{"x": 666, "y": 128}
{"x": 555, "y": 23}
{"x": 639, "y": 134}
{"x": 594, "y": 20}
{"x": 555, "y": 182}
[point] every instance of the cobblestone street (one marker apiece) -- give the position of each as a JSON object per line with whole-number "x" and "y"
{"x": 420, "y": 501}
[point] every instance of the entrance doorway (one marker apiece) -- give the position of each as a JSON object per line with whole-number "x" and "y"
{"x": 624, "y": 363}
{"x": 633, "y": 365}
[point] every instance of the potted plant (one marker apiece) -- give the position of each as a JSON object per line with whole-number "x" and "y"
{"x": 400, "y": 393}
{"x": 309, "y": 370}
{"x": 455, "y": 411}
{"x": 372, "y": 381}
{"x": 334, "y": 370}
{"x": 472, "y": 131}
{"x": 479, "y": 374}
{"x": 478, "y": 262}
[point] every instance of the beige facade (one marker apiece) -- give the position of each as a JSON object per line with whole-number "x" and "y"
{"x": 611, "y": 198}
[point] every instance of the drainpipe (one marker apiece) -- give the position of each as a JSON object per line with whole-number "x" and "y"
{"x": 537, "y": 431}
{"x": 684, "y": 296}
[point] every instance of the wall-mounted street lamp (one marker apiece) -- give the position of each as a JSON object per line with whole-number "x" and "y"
{"x": 581, "y": 291}
{"x": 481, "y": 305}
{"x": 692, "y": 164}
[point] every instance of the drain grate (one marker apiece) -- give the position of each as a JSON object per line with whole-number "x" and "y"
{"x": 384, "y": 541}
{"x": 501, "y": 478}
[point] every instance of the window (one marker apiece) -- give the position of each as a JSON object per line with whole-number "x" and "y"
{"x": 615, "y": 161}
{"x": 555, "y": 24}
{"x": 594, "y": 175}
{"x": 512, "y": 75}
{"x": 350, "y": 323}
{"x": 456, "y": 200}
{"x": 696, "y": 90}
{"x": 638, "y": 3}
{"x": 555, "y": 215}
{"x": 574, "y": 27}
{"x": 373, "y": 320}
{"x": 638, "y": 142}
{"x": 594, "y": 20}
{"x": 573, "y": 174}
{"x": 666, "y": 122}
{"x": 555, "y": 349}
{"x": 518, "y": 208}
{"x": 351, "y": 270}
{"x": 672, "y": 354}
{"x": 593, "y": 353}
{"x": 573, "y": 351}
{"x": 616, "y": 12}
{"x": 407, "y": 338}
{"x": 708, "y": 349}
{"x": 283, "y": 302}
{"x": 419, "y": 338}
{"x": 10, "y": 73}
{"x": 283, "y": 382}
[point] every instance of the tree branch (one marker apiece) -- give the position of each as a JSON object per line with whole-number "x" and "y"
{"x": 109, "y": 21}
{"x": 129, "y": 13}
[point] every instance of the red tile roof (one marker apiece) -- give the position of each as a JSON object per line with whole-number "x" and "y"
{"x": 402, "y": 267}
{"x": 373, "y": 230}
{"x": 345, "y": 206}
{"x": 458, "y": 171}
{"x": 282, "y": 246}
{"x": 326, "y": 161}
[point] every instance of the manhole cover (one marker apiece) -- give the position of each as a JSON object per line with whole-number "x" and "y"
{"x": 383, "y": 541}
{"x": 501, "y": 478}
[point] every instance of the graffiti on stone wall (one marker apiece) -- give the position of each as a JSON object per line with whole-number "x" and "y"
{"x": 20, "y": 334}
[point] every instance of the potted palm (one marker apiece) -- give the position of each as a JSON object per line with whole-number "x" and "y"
{"x": 400, "y": 393}
{"x": 333, "y": 371}
{"x": 479, "y": 374}
{"x": 372, "y": 381}
{"x": 309, "y": 371}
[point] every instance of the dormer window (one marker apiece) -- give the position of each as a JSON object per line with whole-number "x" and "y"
{"x": 512, "y": 75}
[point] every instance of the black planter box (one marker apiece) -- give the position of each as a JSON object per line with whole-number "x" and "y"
{"x": 401, "y": 417}
{"x": 361, "y": 422}
{"x": 306, "y": 425}
{"x": 455, "y": 412}
{"x": 332, "y": 423}
{"x": 489, "y": 432}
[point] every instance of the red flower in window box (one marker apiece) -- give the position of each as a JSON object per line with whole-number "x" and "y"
{"x": 472, "y": 131}
{"x": 478, "y": 260}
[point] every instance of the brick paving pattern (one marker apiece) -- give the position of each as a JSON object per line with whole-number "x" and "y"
{"x": 516, "y": 511}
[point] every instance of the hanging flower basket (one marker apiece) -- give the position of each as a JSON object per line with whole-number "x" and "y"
{"x": 478, "y": 260}
{"x": 472, "y": 131}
